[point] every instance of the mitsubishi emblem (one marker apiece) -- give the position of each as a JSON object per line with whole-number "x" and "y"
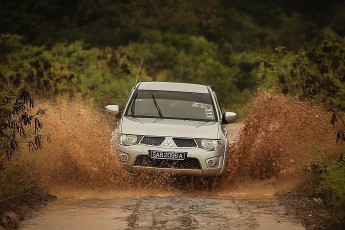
{"x": 169, "y": 142}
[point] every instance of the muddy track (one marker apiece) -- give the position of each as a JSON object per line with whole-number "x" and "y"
{"x": 161, "y": 209}
{"x": 172, "y": 212}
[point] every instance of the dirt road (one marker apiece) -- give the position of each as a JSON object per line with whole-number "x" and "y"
{"x": 231, "y": 209}
{"x": 171, "y": 212}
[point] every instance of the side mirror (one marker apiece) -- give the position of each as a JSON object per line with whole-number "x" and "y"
{"x": 114, "y": 109}
{"x": 229, "y": 117}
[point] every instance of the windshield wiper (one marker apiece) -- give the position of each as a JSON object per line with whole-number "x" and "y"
{"x": 156, "y": 104}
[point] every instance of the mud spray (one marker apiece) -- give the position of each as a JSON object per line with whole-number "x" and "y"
{"x": 277, "y": 139}
{"x": 76, "y": 159}
{"x": 281, "y": 139}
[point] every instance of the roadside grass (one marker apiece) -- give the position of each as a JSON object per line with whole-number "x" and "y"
{"x": 21, "y": 190}
{"x": 331, "y": 189}
{"x": 320, "y": 200}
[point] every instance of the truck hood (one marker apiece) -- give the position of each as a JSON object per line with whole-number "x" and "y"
{"x": 169, "y": 127}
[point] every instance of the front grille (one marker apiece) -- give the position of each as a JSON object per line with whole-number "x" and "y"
{"x": 184, "y": 142}
{"x": 155, "y": 141}
{"x": 189, "y": 163}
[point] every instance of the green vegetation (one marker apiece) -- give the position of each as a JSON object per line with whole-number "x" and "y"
{"x": 20, "y": 190}
{"x": 241, "y": 24}
{"x": 317, "y": 72}
{"x": 94, "y": 48}
{"x": 107, "y": 74}
{"x": 332, "y": 190}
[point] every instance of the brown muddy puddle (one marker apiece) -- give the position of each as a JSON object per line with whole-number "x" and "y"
{"x": 164, "y": 212}
{"x": 249, "y": 205}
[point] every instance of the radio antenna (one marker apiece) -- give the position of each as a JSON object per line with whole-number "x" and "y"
{"x": 142, "y": 60}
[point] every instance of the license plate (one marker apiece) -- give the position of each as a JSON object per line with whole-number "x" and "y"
{"x": 167, "y": 155}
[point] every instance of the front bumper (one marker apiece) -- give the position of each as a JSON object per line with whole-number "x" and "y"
{"x": 196, "y": 154}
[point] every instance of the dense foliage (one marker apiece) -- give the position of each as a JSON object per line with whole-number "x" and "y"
{"x": 332, "y": 190}
{"x": 107, "y": 74}
{"x": 316, "y": 72}
{"x": 240, "y": 24}
{"x": 94, "y": 48}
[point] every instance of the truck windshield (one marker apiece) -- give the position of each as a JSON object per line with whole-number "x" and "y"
{"x": 172, "y": 105}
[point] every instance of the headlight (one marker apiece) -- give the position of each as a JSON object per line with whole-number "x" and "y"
{"x": 129, "y": 139}
{"x": 126, "y": 139}
{"x": 211, "y": 144}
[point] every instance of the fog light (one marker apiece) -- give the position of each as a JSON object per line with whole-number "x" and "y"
{"x": 123, "y": 157}
{"x": 212, "y": 162}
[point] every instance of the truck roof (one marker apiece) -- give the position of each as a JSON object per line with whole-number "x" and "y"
{"x": 173, "y": 86}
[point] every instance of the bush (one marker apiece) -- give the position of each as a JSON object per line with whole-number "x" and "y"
{"x": 316, "y": 72}
{"x": 20, "y": 190}
{"x": 17, "y": 122}
{"x": 332, "y": 190}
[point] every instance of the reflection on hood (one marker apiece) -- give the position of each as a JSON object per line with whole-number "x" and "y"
{"x": 170, "y": 127}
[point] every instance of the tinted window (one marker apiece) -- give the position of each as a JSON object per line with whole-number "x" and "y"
{"x": 174, "y": 105}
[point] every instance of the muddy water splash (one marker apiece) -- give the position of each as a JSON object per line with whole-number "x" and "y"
{"x": 78, "y": 156}
{"x": 281, "y": 137}
{"x": 278, "y": 137}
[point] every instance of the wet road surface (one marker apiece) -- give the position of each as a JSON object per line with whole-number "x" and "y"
{"x": 172, "y": 212}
